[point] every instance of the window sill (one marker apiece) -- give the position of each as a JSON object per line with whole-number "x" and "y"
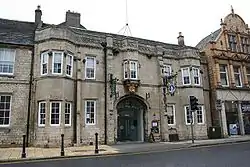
{"x": 7, "y": 75}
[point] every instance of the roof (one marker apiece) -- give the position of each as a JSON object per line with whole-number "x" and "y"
{"x": 202, "y": 44}
{"x": 64, "y": 24}
{"x": 17, "y": 32}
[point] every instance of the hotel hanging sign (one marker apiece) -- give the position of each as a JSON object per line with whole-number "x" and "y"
{"x": 245, "y": 106}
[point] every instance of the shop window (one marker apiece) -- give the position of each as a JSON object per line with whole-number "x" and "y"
{"x": 223, "y": 75}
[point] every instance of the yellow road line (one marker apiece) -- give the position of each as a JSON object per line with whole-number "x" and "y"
{"x": 117, "y": 154}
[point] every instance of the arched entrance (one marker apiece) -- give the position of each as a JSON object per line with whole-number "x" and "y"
{"x": 131, "y": 121}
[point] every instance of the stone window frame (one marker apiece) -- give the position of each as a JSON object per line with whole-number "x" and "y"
{"x": 92, "y": 67}
{"x": 44, "y": 63}
{"x": 232, "y": 42}
{"x": 239, "y": 75}
{"x": 245, "y": 44}
{"x": 53, "y": 62}
{"x": 167, "y": 70}
{"x": 127, "y": 64}
{"x": 224, "y": 72}
{"x": 198, "y": 75}
{"x": 174, "y": 114}
{"x": 39, "y": 114}
{"x": 4, "y": 110}
{"x": 182, "y": 75}
{"x": 248, "y": 74}
{"x": 9, "y": 62}
{"x": 69, "y": 65}
{"x": 68, "y": 112}
{"x": 59, "y": 113}
{"x": 201, "y": 109}
{"x": 89, "y": 112}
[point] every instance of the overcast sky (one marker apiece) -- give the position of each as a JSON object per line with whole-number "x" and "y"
{"x": 158, "y": 20}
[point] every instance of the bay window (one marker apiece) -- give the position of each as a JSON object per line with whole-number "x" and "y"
{"x": 57, "y": 63}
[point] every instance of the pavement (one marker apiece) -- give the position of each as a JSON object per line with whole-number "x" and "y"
{"x": 222, "y": 155}
{"x": 32, "y": 153}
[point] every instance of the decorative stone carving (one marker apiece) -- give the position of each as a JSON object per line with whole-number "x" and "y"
{"x": 131, "y": 85}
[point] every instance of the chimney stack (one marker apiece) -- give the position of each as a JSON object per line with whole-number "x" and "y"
{"x": 38, "y": 15}
{"x": 73, "y": 19}
{"x": 181, "y": 39}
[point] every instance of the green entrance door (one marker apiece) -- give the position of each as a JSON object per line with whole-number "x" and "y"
{"x": 130, "y": 124}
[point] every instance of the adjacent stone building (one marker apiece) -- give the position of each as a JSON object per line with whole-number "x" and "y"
{"x": 227, "y": 52}
{"x": 85, "y": 82}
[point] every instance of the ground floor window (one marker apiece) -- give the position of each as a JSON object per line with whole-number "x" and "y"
{"x": 5, "y": 108}
{"x": 67, "y": 114}
{"x": 90, "y": 112}
{"x": 41, "y": 113}
{"x": 171, "y": 114}
{"x": 55, "y": 111}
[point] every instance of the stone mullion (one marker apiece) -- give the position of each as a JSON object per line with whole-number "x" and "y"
{"x": 217, "y": 72}
{"x": 244, "y": 75}
{"x": 231, "y": 74}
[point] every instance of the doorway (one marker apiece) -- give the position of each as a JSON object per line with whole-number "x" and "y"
{"x": 131, "y": 120}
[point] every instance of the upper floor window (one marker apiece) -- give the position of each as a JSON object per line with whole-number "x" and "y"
{"x": 41, "y": 114}
{"x": 130, "y": 70}
{"x": 90, "y": 112}
{"x": 57, "y": 62}
{"x": 44, "y": 63}
{"x": 55, "y": 112}
{"x": 248, "y": 74}
{"x": 167, "y": 70}
{"x": 90, "y": 68}
{"x": 237, "y": 77}
{"x": 69, "y": 65}
{"x": 7, "y": 61}
{"x": 196, "y": 75}
{"x": 5, "y": 101}
{"x": 185, "y": 76}
{"x": 232, "y": 42}
{"x": 223, "y": 75}
{"x": 171, "y": 114}
{"x": 245, "y": 44}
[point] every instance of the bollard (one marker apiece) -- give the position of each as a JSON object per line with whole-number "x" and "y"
{"x": 23, "y": 152}
{"x": 62, "y": 145}
{"x": 96, "y": 143}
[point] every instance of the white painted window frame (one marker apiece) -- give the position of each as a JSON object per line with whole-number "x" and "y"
{"x": 7, "y": 125}
{"x": 198, "y": 75}
{"x": 46, "y": 62}
{"x": 136, "y": 69}
{"x": 53, "y": 59}
{"x": 86, "y": 67}
{"x": 85, "y": 110}
{"x": 70, "y": 113}
{"x": 126, "y": 69}
{"x": 182, "y": 75}
{"x": 165, "y": 71}
{"x": 60, "y": 108}
{"x": 39, "y": 114}
{"x": 70, "y": 58}
{"x": 185, "y": 109}
{"x": 174, "y": 116}
{"x": 224, "y": 72}
{"x": 14, "y": 59}
{"x": 203, "y": 115}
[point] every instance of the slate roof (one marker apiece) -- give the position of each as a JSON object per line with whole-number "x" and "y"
{"x": 17, "y": 32}
{"x": 64, "y": 24}
{"x": 202, "y": 44}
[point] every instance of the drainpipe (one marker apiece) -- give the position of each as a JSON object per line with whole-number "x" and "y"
{"x": 75, "y": 104}
{"x": 104, "y": 45}
{"x": 29, "y": 99}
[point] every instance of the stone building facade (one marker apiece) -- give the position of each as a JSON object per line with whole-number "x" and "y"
{"x": 86, "y": 82}
{"x": 227, "y": 52}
